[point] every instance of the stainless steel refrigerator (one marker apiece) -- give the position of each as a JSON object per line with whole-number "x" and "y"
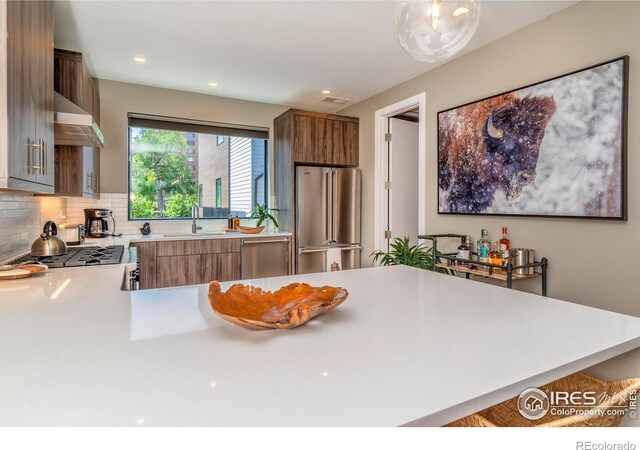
{"x": 328, "y": 202}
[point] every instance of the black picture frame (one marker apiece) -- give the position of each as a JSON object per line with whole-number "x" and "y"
{"x": 623, "y": 200}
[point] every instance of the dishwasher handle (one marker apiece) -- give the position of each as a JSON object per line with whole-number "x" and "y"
{"x": 265, "y": 241}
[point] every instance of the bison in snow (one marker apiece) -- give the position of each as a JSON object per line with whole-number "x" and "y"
{"x": 489, "y": 146}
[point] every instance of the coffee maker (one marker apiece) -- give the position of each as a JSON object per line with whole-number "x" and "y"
{"x": 95, "y": 222}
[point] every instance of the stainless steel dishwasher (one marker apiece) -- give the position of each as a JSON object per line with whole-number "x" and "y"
{"x": 265, "y": 257}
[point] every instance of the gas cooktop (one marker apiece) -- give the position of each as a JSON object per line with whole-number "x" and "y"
{"x": 79, "y": 256}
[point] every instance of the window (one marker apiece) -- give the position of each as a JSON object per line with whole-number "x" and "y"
{"x": 219, "y": 140}
{"x": 218, "y": 192}
{"x": 165, "y": 181}
{"x": 190, "y": 135}
{"x": 191, "y": 143}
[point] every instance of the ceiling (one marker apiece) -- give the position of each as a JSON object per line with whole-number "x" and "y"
{"x": 283, "y": 52}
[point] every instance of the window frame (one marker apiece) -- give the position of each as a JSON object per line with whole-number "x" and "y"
{"x": 267, "y": 163}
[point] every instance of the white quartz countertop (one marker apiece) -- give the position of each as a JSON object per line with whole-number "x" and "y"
{"x": 407, "y": 347}
{"x": 205, "y": 235}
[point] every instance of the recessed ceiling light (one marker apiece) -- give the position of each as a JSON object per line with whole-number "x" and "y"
{"x": 140, "y": 59}
{"x": 326, "y": 92}
{"x": 213, "y": 84}
{"x": 461, "y": 11}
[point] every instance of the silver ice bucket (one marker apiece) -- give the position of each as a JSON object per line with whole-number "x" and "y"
{"x": 520, "y": 257}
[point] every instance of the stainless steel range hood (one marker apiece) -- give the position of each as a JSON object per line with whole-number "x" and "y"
{"x": 73, "y": 125}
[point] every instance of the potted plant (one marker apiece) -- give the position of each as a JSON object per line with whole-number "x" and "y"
{"x": 263, "y": 213}
{"x": 403, "y": 253}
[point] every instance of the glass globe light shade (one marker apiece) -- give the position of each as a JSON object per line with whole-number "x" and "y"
{"x": 435, "y": 30}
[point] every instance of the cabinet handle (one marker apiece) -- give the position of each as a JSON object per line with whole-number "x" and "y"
{"x": 43, "y": 160}
{"x": 32, "y": 163}
{"x": 97, "y": 187}
{"x": 89, "y": 180}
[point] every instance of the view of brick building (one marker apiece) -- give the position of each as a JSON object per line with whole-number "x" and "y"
{"x": 192, "y": 152}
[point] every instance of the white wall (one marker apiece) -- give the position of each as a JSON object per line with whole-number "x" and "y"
{"x": 591, "y": 262}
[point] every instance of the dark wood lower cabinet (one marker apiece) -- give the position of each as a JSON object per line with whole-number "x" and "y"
{"x": 179, "y": 270}
{"x": 221, "y": 267}
{"x": 181, "y": 263}
{"x": 147, "y": 260}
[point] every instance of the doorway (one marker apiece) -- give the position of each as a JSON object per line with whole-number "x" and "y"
{"x": 401, "y": 184}
{"x": 400, "y": 172}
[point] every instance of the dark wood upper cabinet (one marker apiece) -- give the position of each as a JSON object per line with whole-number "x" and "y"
{"x": 77, "y": 168}
{"x": 30, "y": 153}
{"x": 349, "y": 136}
{"x": 320, "y": 139}
{"x": 306, "y": 141}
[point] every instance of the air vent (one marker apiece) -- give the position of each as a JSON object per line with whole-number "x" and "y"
{"x": 335, "y": 100}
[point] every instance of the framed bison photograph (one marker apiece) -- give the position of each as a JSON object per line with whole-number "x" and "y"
{"x": 554, "y": 148}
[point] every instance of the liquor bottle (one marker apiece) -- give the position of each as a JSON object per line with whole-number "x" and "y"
{"x": 236, "y": 222}
{"x": 464, "y": 249}
{"x": 483, "y": 248}
{"x": 505, "y": 244}
{"x": 495, "y": 256}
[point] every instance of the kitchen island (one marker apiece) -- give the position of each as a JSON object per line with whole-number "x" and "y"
{"x": 408, "y": 347}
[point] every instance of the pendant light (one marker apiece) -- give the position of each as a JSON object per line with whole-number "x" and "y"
{"x": 435, "y": 30}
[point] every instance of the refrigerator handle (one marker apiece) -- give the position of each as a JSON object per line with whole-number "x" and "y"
{"x": 334, "y": 204}
{"x": 327, "y": 207}
{"x": 302, "y": 251}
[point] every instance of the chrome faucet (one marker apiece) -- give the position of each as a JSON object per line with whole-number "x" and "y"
{"x": 195, "y": 214}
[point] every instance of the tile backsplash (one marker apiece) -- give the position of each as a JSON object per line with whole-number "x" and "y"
{"x": 118, "y": 204}
{"x": 22, "y": 216}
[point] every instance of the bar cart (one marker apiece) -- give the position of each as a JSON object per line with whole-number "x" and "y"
{"x": 473, "y": 267}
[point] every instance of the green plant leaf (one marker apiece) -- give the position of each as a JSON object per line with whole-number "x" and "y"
{"x": 403, "y": 253}
{"x": 262, "y": 213}
{"x": 273, "y": 219}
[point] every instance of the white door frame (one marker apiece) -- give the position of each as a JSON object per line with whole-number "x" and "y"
{"x": 381, "y": 125}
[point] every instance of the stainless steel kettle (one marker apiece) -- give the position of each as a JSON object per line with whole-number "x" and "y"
{"x": 49, "y": 244}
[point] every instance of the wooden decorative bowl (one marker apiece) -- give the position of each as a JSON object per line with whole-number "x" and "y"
{"x": 251, "y": 230}
{"x": 288, "y": 307}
